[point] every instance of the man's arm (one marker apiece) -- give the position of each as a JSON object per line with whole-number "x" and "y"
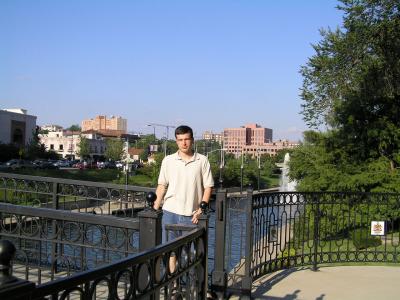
{"x": 160, "y": 192}
{"x": 206, "y": 198}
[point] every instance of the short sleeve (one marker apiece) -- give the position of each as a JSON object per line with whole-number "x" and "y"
{"x": 208, "y": 180}
{"x": 163, "y": 178}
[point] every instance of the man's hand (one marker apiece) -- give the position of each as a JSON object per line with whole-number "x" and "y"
{"x": 196, "y": 215}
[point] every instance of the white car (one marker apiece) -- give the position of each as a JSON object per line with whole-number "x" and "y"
{"x": 119, "y": 164}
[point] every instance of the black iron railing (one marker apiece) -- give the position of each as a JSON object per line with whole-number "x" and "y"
{"x": 74, "y": 195}
{"x": 55, "y": 243}
{"x": 147, "y": 275}
{"x": 251, "y": 234}
{"x": 259, "y": 233}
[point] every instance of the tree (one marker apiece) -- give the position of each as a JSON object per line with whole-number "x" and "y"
{"x": 365, "y": 48}
{"x": 74, "y": 127}
{"x": 114, "y": 150}
{"x": 352, "y": 85}
{"x": 84, "y": 147}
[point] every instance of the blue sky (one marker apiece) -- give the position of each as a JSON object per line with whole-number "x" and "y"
{"x": 207, "y": 64}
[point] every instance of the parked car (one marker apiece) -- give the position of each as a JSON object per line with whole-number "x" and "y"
{"x": 19, "y": 164}
{"x": 45, "y": 164}
{"x": 63, "y": 163}
{"x": 106, "y": 165}
{"x": 119, "y": 164}
{"x": 79, "y": 165}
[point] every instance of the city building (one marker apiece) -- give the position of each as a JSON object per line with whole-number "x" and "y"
{"x": 66, "y": 143}
{"x": 51, "y": 127}
{"x": 134, "y": 154}
{"x": 16, "y": 126}
{"x": 100, "y": 123}
{"x": 268, "y": 148}
{"x": 252, "y": 139}
{"x": 211, "y": 136}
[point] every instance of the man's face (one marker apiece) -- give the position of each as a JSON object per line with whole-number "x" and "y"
{"x": 184, "y": 142}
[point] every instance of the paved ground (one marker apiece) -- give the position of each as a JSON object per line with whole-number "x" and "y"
{"x": 341, "y": 283}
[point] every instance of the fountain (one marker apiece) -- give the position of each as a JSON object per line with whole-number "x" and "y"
{"x": 286, "y": 185}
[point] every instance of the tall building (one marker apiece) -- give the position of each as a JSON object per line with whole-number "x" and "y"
{"x": 16, "y": 126}
{"x": 235, "y": 139}
{"x": 211, "y": 136}
{"x": 102, "y": 123}
{"x": 254, "y": 140}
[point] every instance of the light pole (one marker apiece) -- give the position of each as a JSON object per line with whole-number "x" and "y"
{"x": 241, "y": 174}
{"x": 154, "y": 131}
{"x": 165, "y": 126}
{"x": 221, "y": 163}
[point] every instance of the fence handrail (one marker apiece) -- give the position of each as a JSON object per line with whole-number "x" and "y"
{"x": 64, "y": 215}
{"x": 99, "y": 272}
{"x": 78, "y": 182}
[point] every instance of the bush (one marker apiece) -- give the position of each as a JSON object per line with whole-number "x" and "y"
{"x": 362, "y": 239}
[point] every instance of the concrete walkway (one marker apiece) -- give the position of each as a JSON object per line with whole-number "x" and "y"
{"x": 341, "y": 283}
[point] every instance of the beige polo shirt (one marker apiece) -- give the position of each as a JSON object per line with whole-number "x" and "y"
{"x": 185, "y": 182}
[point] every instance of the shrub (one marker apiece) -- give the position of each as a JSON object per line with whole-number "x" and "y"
{"x": 362, "y": 239}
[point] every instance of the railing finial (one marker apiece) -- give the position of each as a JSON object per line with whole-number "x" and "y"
{"x": 7, "y": 252}
{"x": 150, "y": 199}
{"x": 204, "y": 207}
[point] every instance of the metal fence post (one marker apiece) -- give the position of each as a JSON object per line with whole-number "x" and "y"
{"x": 12, "y": 287}
{"x": 247, "y": 279}
{"x": 203, "y": 222}
{"x": 219, "y": 276}
{"x": 54, "y": 246}
{"x": 316, "y": 231}
{"x": 150, "y": 232}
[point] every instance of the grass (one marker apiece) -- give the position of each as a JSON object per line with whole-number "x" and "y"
{"x": 105, "y": 175}
{"x": 344, "y": 245}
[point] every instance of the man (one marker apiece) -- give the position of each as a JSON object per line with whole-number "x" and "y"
{"x": 185, "y": 180}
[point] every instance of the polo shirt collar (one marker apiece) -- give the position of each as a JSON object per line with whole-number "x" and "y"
{"x": 194, "y": 157}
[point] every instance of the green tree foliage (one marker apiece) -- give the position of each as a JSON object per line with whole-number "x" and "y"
{"x": 318, "y": 166}
{"x": 84, "y": 147}
{"x": 114, "y": 149}
{"x": 346, "y": 60}
{"x": 74, "y": 127}
{"x": 352, "y": 85}
{"x": 36, "y": 150}
{"x": 231, "y": 171}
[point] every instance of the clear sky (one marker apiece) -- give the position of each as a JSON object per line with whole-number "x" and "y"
{"x": 210, "y": 64}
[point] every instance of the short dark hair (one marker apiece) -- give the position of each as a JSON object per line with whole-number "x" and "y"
{"x": 183, "y": 129}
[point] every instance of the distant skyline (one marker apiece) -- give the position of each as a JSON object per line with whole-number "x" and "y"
{"x": 208, "y": 64}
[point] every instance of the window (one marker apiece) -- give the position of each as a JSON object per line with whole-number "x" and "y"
{"x": 61, "y": 147}
{"x": 51, "y": 146}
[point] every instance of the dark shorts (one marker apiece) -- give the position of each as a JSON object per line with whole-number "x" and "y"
{"x": 172, "y": 218}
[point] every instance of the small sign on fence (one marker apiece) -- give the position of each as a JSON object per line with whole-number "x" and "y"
{"x": 377, "y": 227}
{"x": 273, "y": 234}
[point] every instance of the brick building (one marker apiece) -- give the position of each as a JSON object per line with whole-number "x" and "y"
{"x": 102, "y": 123}
{"x": 252, "y": 139}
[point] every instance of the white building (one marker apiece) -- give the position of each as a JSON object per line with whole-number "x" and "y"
{"x": 51, "y": 127}
{"x": 66, "y": 143}
{"x": 16, "y": 126}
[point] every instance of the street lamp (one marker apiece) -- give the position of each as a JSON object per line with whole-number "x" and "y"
{"x": 241, "y": 174}
{"x": 154, "y": 131}
{"x": 221, "y": 163}
{"x": 165, "y": 126}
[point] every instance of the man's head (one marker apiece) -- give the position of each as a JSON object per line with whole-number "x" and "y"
{"x": 183, "y": 129}
{"x": 184, "y": 139}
